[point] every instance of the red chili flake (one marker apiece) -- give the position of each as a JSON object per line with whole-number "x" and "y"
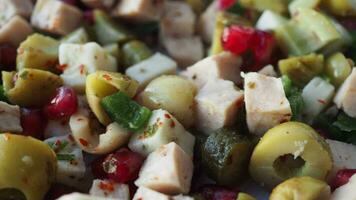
{"x": 58, "y": 143}
{"x": 61, "y": 67}
{"x": 83, "y": 142}
{"x": 172, "y": 124}
{"x": 6, "y": 136}
{"x": 321, "y": 101}
{"x": 108, "y": 186}
{"x": 80, "y": 119}
{"x": 167, "y": 116}
{"x": 71, "y": 138}
{"x": 107, "y": 77}
{"x": 82, "y": 68}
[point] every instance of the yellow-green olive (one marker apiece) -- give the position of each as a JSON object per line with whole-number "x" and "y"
{"x": 27, "y": 165}
{"x": 101, "y": 84}
{"x": 288, "y": 150}
{"x": 244, "y": 196}
{"x": 30, "y": 87}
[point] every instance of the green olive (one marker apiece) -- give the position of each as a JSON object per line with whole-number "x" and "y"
{"x": 338, "y": 68}
{"x": 288, "y": 150}
{"x": 27, "y": 166}
{"x": 32, "y": 87}
{"x": 301, "y": 188}
{"x": 101, "y": 84}
{"x": 244, "y": 196}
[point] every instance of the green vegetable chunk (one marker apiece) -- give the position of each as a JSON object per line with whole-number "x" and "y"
{"x": 135, "y": 52}
{"x": 125, "y": 111}
{"x": 337, "y": 69}
{"x": 79, "y": 36}
{"x": 38, "y": 52}
{"x": 294, "y": 96}
{"x": 107, "y": 31}
{"x": 225, "y": 156}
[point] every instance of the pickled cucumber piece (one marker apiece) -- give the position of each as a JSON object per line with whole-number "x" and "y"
{"x": 225, "y": 156}
{"x": 302, "y": 69}
{"x": 341, "y": 7}
{"x": 244, "y": 196}
{"x": 101, "y": 84}
{"x": 301, "y": 188}
{"x": 338, "y": 68}
{"x": 107, "y": 31}
{"x": 296, "y": 5}
{"x": 27, "y": 166}
{"x": 38, "y": 52}
{"x": 79, "y": 36}
{"x": 134, "y": 52}
{"x": 279, "y": 6}
{"x": 32, "y": 88}
{"x": 114, "y": 50}
{"x": 291, "y": 149}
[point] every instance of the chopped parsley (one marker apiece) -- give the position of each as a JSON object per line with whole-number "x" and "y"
{"x": 65, "y": 157}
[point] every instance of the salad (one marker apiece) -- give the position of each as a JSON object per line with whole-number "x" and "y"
{"x": 178, "y": 99}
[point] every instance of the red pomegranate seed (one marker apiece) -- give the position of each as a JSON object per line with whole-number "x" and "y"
{"x": 33, "y": 122}
{"x": 218, "y": 193}
{"x": 57, "y": 190}
{"x": 123, "y": 165}
{"x": 225, "y": 4}
{"x": 63, "y": 104}
{"x": 263, "y": 45}
{"x": 342, "y": 177}
{"x": 97, "y": 168}
{"x": 8, "y": 55}
{"x": 237, "y": 39}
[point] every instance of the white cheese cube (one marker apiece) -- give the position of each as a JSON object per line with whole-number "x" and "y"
{"x": 270, "y": 20}
{"x": 106, "y": 4}
{"x": 144, "y": 193}
{"x": 217, "y": 105}
{"x": 15, "y": 31}
{"x": 55, "y": 128}
{"x": 266, "y": 103}
{"x": 346, "y": 95}
{"x": 268, "y": 71}
{"x": 9, "y": 118}
{"x": 206, "y": 24}
{"x": 81, "y": 60}
{"x": 11, "y": 8}
{"x": 71, "y": 166}
{"x": 56, "y": 17}
{"x": 162, "y": 129}
{"x": 221, "y": 66}
{"x": 190, "y": 51}
{"x": 151, "y": 68}
{"x": 109, "y": 189}
{"x": 139, "y": 10}
{"x": 178, "y": 20}
{"x": 168, "y": 170}
{"x": 346, "y": 192}
{"x": 79, "y": 196}
{"x": 317, "y": 95}
{"x": 344, "y": 156}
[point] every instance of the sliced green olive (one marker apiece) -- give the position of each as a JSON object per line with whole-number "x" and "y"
{"x": 338, "y": 68}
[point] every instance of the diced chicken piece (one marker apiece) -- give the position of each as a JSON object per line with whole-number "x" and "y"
{"x": 207, "y": 22}
{"x": 80, "y": 60}
{"x": 106, "y": 4}
{"x": 144, "y": 193}
{"x": 168, "y": 170}
{"x": 186, "y": 50}
{"x": 217, "y": 105}
{"x": 178, "y": 20}
{"x": 71, "y": 166}
{"x": 9, "y": 118}
{"x": 79, "y": 196}
{"x": 268, "y": 71}
{"x": 15, "y": 31}
{"x": 162, "y": 129}
{"x": 56, "y": 17}
{"x": 346, "y": 95}
{"x": 347, "y": 191}
{"x": 56, "y": 128}
{"x": 110, "y": 189}
{"x": 151, "y": 68}
{"x": 139, "y": 10}
{"x": 221, "y": 66}
{"x": 344, "y": 156}
{"x": 11, "y": 8}
{"x": 266, "y": 103}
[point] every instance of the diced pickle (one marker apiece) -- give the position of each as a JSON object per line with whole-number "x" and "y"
{"x": 27, "y": 166}
{"x": 337, "y": 68}
{"x": 38, "y": 52}
{"x": 295, "y": 5}
{"x": 101, "y": 84}
{"x": 107, "y": 31}
{"x": 79, "y": 36}
{"x": 31, "y": 88}
{"x": 244, "y": 196}
{"x": 302, "y": 69}
{"x": 225, "y": 156}
{"x": 134, "y": 52}
{"x": 115, "y": 51}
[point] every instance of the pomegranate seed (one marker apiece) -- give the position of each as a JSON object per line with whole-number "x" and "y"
{"x": 57, "y": 190}
{"x": 262, "y": 47}
{"x": 63, "y": 104}
{"x": 123, "y": 165}
{"x": 8, "y": 55}
{"x": 33, "y": 122}
{"x": 237, "y": 39}
{"x": 342, "y": 177}
{"x": 218, "y": 193}
{"x": 225, "y": 4}
{"x": 97, "y": 168}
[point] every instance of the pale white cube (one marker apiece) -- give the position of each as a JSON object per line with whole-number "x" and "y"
{"x": 206, "y": 24}
{"x": 144, "y": 193}
{"x": 11, "y": 8}
{"x": 80, "y": 196}
{"x": 139, "y": 10}
{"x": 10, "y": 118}
{"x": 15, "y": 31}
{"x": 109, "y": 189}
{"x": 345, "y": 98}
{"x": 347, "y": 191}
